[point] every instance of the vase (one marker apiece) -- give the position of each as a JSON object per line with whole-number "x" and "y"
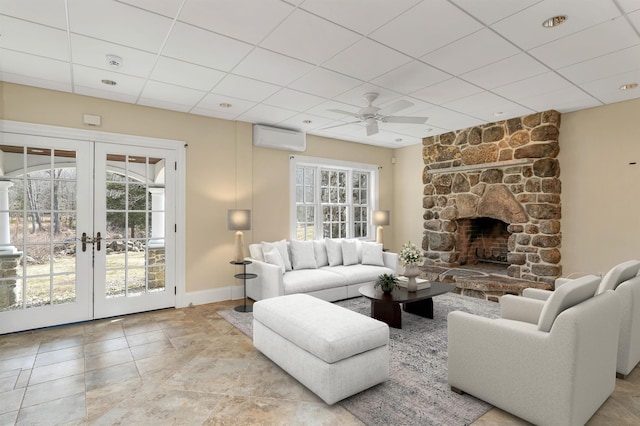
{"x": 411, "y": 272}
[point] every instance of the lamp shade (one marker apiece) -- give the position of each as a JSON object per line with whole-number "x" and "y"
{"x": 238, "y": 220}
{"x": 380, "y": 217}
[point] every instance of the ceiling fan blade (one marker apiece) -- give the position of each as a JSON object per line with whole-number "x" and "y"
{"x": 372, "y": 127}
{"x": 400, "y": 119}
{"x": 339, "y": 125}
{"x": 343, "y": 112}
{"x": 395, "y": 107}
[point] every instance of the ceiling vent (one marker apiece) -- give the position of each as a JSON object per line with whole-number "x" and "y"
{"x": 277, "y": 138}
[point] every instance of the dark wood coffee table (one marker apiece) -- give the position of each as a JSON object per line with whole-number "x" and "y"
{"x": 386, "y": 307}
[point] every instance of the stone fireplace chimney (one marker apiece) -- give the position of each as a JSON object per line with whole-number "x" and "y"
{"x": 505, "y": 171}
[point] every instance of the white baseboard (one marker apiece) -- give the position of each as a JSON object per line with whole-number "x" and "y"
{"x": 202, "y": 297}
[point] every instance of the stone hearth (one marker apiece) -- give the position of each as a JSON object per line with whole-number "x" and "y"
{"x": 506, "y": 171}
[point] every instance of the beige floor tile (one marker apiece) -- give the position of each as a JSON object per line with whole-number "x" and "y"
{"x": 59, "y": 355}
{"x": 103, "y": 346}
{"x": 56, "y": 371}
{"x": 8, "y": 418}
{"x": 8, "y": 380}
{"x": 497, "y": 417}
{"x": 111, "y": 375}
{"x": 319, "y": 414}
{"x": 52, "y": 390}
{"x": 253, "y": 411}
{"x": 108, "y": 359}
{"x": 61, "y": 343}
{"x": 59, "y": 411}
{"x": 613, "y": 413}
{"x": 19, "y": 362}
{"x": 152, "y": 349}
{"x": 100, "y": 400}
{"x": 11, "y": 351}
{"x": 11, "y": 400}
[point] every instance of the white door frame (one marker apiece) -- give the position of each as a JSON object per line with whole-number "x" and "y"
{"x": 8, "y": 126}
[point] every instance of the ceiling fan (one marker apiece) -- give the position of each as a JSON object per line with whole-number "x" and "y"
{"x": 371, "y": 115}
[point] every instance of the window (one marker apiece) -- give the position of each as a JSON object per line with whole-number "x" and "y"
{"x": 332, "y": 199}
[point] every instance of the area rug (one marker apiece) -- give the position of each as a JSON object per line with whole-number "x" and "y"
{"x": 417, "y": 391}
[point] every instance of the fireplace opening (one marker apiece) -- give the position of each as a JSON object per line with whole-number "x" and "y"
{"x": 483, "y": 240}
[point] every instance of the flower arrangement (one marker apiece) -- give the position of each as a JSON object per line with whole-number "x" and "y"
{"x": 410, "y": 254}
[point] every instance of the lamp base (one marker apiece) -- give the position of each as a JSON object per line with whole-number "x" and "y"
{"x": 379, "y": 235}
{"x": 239, "y": 257}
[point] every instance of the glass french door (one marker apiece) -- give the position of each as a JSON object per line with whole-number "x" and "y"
{"x": 83, "y": 230}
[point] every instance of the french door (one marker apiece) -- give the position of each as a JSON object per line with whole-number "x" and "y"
{"x": 84, "y": 232}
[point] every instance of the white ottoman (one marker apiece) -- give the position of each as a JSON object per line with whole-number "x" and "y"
{"x": 331, "y": 350}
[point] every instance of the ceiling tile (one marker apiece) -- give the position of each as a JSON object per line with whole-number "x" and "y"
{"x": 531, "y": 87}
{"x": 213, "y": 113}
{"x": 177, "y": 94}
{"x": 447, "y": 91}
{"x": 32, "y": 68}
{"x": 362, "y": 16}
{"x": 272, "y": 67}
{"x": 307, "y": 37}
{"x": 293, "y": 100}
{"x": 411, "y": 77}
{"x": 366, "y": 60}
{"x": 167, "y": 8}
{"x": 597, "y": 68}
{"x": 92, "y": 77}
{"x": 565, "y": 100}
{"x": 180, "y": 73}
{"x": 322, "y": 110}
{"x": 245, "y": 88}
{"x": 246, "y": 20}
{"x": 47, "y": 12}
{"x": 629, "y": 5}
{"x": 25, "y": 80}
{"x": 266, "y": 114}
{"x": 593, "y": 42}
{"x": 415, "y": 110}
{"x": 415, "y": 34}
{"x": 298, "y": 122}
{"x": 201, "y": 47}
{"x": 486, "y": 105}
{"x": 212, "y": 102}
{"x": 155, "y": 103}
{"x": 324, "y": 83}
{"x": 118, "y": 23}
{"x": 607, "y": 89}
{"x": 447, "y": 119}
{"x": 494, "y": 10}
{"x": 104, "y": 94}
{"x": 473, "y": 51}
{"x": 93, "y": 53}
{"x": 526, "y": 31}
{"x": 515, "y": 68}
{"x": 635, "y": 19}
{"x": 33, "y": 38}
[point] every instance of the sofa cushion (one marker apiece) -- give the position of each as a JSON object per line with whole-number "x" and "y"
{"x": 566, "y": 296}
{"x": 307, "y": 280}
{"x": 354, "y": 274}
{"x": 273, "y": 257}
{"x": 255, "y": 252}
{"x": 334, "y": 251}
{"x": 330, "y": 332}
{"x": 283, "y": 248}
{"x": 303, "y": 255}
{"x": 372, "y": 254}
{"x": 618, "y": 274}
{"x": 349, "y": 252}
{"x": 320, "y": 249}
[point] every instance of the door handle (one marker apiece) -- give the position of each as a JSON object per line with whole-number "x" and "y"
{"x": 90, "y": 240}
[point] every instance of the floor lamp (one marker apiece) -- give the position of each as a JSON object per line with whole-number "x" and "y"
{"x": 380, "y": 218}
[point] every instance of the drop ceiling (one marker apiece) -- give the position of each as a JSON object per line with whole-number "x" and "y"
{"x": 287, "y": 63}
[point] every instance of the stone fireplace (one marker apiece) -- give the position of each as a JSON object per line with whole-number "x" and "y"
{"x": 492, "y": 193}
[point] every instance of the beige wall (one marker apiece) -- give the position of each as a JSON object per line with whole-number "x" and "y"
{"x": 600, "y": 190}
{"x": 407, "y": 212}
{"x": 224, "y": 170}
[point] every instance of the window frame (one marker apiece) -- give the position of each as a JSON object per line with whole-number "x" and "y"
{"x": 338, "y": 165}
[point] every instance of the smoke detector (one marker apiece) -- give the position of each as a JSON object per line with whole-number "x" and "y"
{"x": 114, "y": 61}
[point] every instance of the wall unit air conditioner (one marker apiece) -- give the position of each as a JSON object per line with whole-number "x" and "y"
{"x": 277, "y": 138}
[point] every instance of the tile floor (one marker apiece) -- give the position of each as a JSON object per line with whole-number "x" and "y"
{"x": 180, "y": 366}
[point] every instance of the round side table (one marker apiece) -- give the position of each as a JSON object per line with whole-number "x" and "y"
{"x": 244, "y": 276}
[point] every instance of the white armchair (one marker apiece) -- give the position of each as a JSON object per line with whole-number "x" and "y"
{"x": 556, "y": 372}
{"x": 623, "y": 279}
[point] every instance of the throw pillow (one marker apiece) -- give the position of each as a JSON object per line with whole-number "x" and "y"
{"x": 320, "y": 249}
{"x": 303, "y": 255}
{"x": 334, "y": 251}
{"x": 273, "y": 257}
{"x": 349, "y": 252}
{"x": 282, "y": 248}
{"x": 372, "y": 254}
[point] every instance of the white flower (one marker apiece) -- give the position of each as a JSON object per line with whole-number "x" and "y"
{"x": 410, "y": 254}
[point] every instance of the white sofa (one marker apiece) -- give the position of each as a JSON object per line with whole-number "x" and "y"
{"x": 330, "y": 269}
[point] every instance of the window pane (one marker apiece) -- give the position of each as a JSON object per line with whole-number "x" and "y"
{"x": 299, "y": 176}
{"x": 299, "y": 192}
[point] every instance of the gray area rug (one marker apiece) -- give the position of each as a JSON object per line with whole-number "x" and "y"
{"x": 417, "y": 391}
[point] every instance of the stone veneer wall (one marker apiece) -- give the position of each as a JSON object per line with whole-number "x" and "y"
{"x": 505, "y": 170}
